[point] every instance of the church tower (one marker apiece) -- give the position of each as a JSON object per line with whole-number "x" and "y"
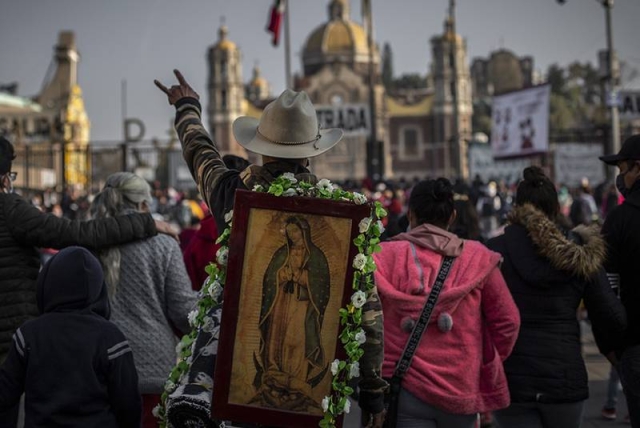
{"x": 226, "y": 93}
{"x": 258, "y": 88}
{"x": 451, "y": 74}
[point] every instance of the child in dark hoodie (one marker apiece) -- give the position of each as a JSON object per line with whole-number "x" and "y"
{"x": 74, "y": 366}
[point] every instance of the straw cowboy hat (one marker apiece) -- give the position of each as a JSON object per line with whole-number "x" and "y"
{"x": 288, "y": 129}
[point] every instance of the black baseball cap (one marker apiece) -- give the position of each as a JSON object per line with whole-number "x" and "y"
{"x": 630, "y": 151}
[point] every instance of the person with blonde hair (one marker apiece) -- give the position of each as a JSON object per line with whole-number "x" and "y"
{"x": 149, "y": 289}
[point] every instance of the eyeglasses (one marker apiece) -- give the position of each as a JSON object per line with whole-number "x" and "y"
{"x": 12, "y": 175}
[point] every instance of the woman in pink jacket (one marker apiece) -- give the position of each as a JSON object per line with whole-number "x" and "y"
{"x": 457, "y": 369}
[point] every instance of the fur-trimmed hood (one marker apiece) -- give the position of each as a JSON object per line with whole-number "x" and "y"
{"x": 564, "y": 254}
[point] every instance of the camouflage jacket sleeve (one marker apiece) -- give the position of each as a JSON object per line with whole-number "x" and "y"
{"x": 199, "y": 150}
{"x": 372, "y": 386}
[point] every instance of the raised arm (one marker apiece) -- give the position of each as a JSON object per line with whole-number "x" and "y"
{"x": 30, "y": 226}
{"x": 199, "y": 150}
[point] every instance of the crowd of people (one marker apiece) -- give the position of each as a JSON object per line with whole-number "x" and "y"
{"x": 96, "y": 289}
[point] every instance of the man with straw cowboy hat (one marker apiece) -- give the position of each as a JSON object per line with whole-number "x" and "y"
{"x": 286, "y": 136}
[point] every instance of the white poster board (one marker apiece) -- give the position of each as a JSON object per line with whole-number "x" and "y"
{"x": 575, "y": 161}
{"x": 520, "y": 122}
{"x": 482, "y": 164}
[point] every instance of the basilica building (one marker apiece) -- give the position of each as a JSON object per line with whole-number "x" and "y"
{"x": 51, "y": 130}
{"x": 415, "y": 133}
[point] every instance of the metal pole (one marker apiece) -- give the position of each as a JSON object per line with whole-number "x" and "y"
{"x": 373, "y": 161}
{"x": 123, "y": 100}
{"x": 455, "y": 138}
{"x": 287, "y": 46}
{"x": 613, "y": 82}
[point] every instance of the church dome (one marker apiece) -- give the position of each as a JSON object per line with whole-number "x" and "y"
{"x": 337, "y": 37}
{"x": 224, "y": 44}
{"x": 258, "y": 80}
{"x": 340, "y": 40}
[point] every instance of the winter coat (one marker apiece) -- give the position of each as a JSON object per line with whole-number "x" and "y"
{"x": 548, "y": 275}
{"x": 75, "y": 368}
{"x": 153, "y": 293}
{"x": 622, "y": 233}
{"x": 458, "y": 364}
{"x": 23, "y": 228}
{"x": 201, "y": 251}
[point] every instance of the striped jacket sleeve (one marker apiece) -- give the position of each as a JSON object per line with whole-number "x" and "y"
{"x": 371, "y": 384}
{"x": 123, "y": 382}
{"x": 198, "y": 148}
{"x": 12, "y": 373}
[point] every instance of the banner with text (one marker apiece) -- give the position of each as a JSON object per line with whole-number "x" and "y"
{"x": 575, "y": 161}
{"x": 483, "y": 165}
{"x": 520, "y": 122}
{"x": 629, "y": 104}
{"x": 353, "y": 119}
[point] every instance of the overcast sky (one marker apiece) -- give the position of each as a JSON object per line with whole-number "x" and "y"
{"x": 145, "y": 39}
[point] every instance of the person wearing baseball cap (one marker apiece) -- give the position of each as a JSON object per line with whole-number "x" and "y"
{"x": 621, "y": 230}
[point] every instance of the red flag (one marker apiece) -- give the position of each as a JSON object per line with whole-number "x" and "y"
{"x": 275, "y": 21}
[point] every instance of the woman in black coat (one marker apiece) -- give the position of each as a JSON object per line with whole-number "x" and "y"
{"x": 549, "y": 272}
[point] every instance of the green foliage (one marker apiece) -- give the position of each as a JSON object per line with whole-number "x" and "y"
{"x": 410, "y": 81}
{"x": 351, "y": 334}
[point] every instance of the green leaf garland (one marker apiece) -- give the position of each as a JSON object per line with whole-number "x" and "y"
{"x": 352, "y": 336}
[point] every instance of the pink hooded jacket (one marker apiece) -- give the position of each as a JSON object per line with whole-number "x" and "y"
{"x": 474, "y": 325}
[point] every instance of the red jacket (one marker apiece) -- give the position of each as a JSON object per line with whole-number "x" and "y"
{"x": 458, "y": 370}
{"x": 201, "y": 251}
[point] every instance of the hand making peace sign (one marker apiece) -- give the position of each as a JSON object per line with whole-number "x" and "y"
{"x": 177, "y": 92}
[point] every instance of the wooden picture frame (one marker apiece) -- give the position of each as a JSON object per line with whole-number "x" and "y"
{"x": 288, "y": 274}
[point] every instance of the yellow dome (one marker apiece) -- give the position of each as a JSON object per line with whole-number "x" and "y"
{"x": 337, "y": 36}
{"x": 258, "y": 80}
{"x": 224, "y": 44}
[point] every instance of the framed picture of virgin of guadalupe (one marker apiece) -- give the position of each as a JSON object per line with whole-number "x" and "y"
{"x": 289, "y": 272}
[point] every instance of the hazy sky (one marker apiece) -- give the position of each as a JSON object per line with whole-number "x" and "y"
{"x": 139, "y": 40}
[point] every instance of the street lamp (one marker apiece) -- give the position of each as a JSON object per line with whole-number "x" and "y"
{"x": 612, "y": 77}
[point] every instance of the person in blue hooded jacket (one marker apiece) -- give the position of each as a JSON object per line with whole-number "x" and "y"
{"x": 74, "y": 366}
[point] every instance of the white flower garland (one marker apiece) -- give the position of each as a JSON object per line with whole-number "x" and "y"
{"x": 352, "y": 335}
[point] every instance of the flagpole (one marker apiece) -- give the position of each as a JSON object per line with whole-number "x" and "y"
{"x": 287, "y": 46}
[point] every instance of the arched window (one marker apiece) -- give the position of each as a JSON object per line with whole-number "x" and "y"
{"x": 411, "y": 143}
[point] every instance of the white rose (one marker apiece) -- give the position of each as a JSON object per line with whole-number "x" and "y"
{"x": 380, "y": 227}
{"x": 358, "y": 299}
{"x": 258, "y": 188}
{"x": 325, "y": 184}
{"x": 192, "y": 317}
{"x": 222, "y": 256}
{"x": 289, "y": 176}
{"x": 360, "y": 261}
{"x": 169, "y": 386}
{"x": 290, "y": 192}
{"x": 156, "y": 411}
{"x": 335, "y": 366}
{"x": 354, "y": 370}
{"x": 361, "y": 337}
{"x": 215, "y": 290}
{"x": 179, "y": 348}
{"x": 359, "y": 198}
{"x": 347, "y": 406}
{"x": 364, "y": 224}
{"x": 325, "y": 404}
{"x": 228, "y": 216}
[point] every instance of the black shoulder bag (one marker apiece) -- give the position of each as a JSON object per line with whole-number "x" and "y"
{"x": 391, "y": 396}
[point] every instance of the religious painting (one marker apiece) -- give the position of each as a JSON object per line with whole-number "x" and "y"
{"x": 288, "y": 275}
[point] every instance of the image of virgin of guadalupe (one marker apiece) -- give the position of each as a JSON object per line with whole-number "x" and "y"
{"x": 295, "y": 294}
